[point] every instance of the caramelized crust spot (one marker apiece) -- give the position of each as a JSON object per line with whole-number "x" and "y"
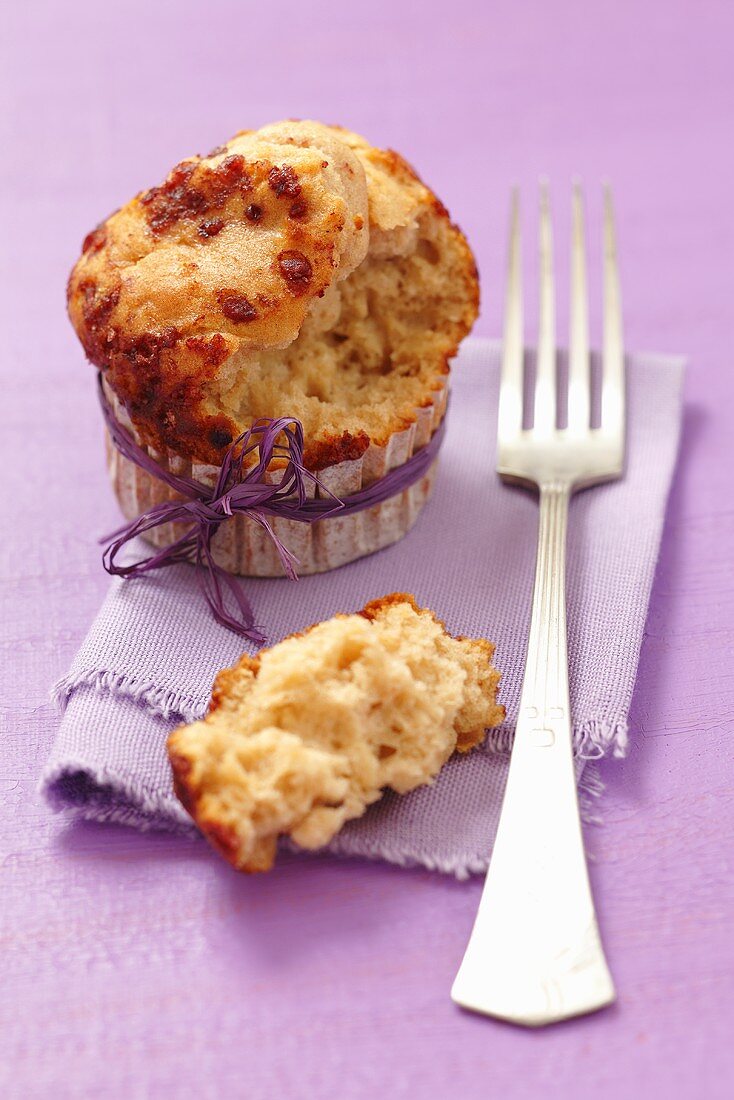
{"x": 98, "y": 337}
{"x": 220, "y": 438}
{"x": 284, "y": 181}
{"x": 330, "y": 451}
{"x": 193, "y": 189}
{"x": 236, "y": 307}
{"x": 213, "y": 350}
{"x": 210, "y": 227}
{"x": 95, "y": 240}
{"x": 296, "y": 270}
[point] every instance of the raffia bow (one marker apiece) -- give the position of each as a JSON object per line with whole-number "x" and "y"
{"x": 240, "y": 489}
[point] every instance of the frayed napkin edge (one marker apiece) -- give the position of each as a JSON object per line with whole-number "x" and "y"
{"x": 106, "y": 796}
{"x": 161, "y": 701}
{"x": 593, "y": 738}
{"x": 109, "y": 798}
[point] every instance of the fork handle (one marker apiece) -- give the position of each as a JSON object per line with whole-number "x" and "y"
{"x": 535, "y": 955}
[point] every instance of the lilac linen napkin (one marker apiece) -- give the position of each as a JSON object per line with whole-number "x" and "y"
{"x": 149, "y": 659}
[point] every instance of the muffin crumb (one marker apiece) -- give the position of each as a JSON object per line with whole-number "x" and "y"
{"x": 306, "y": 735}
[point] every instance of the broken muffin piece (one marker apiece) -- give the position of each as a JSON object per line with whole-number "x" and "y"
{"x": 306, "y": 735}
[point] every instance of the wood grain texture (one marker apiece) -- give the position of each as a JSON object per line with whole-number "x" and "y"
{"x": 136, "y": 966}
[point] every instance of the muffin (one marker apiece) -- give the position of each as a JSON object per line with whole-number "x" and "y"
{"x": 294, "y": 271}
{"x": 306, "y": 735}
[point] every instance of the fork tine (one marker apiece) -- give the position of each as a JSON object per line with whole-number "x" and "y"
{"x": 544, "y": 419}
{"x": 579, "y": 379}
{"x": 511, "y": 384}
{"x": 612, "y": 393}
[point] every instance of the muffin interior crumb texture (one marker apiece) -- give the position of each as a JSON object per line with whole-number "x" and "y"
{"x": 308, "y": 734}
{"x": 370, "y": 352}
{"x": 295, "y": 271}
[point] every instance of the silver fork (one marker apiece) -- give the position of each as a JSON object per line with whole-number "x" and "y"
{"x": 535, "y": 955}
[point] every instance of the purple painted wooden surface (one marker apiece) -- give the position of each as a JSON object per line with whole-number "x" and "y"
{"x": 139, "y": 965}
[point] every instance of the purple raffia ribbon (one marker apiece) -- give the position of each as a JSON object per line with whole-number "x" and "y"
{"x": 242, "y": 491}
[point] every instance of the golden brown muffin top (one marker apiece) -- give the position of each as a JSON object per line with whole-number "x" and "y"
{"x": 295, "y": 270}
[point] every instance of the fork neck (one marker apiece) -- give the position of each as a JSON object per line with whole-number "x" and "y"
{"x": 555, "y": 486}
{"x": 545, "y": 688}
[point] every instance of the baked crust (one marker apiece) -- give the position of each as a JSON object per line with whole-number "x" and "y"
{"x": 207, "y": 281}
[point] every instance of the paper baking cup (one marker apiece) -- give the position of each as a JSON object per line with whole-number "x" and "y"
{"x": 241, "y": 546}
